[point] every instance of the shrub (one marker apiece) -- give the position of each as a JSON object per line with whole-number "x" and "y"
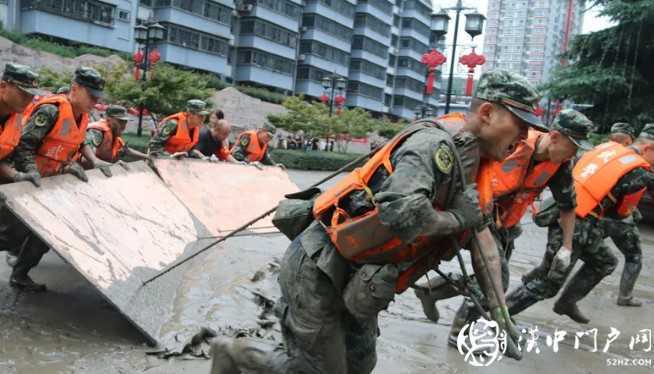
{"x": 263, "y": 94}
{"x": 313, "y": 160}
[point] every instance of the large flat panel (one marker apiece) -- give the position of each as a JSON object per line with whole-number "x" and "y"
{"x": 225, "y": 196}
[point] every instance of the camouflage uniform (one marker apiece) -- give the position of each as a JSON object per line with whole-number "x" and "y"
{"x": 321, "y": 334}
{"x": 13, "y": 233}
{"x": 624, "y": 234}
{"x": 95, "y": 137}
{"x": 169, "y": 128}
{"x": 576, "y": 126}
{"x": 598, "y": 259}
{"x": 240, "y": 149}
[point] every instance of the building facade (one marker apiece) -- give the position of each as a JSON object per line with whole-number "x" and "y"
{"x": 284, "y": 45}
{"x": 528, "y": 36}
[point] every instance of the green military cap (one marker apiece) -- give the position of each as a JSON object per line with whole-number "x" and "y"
{"x": 514, "y": 92}
{"x": 269, "y": 127}
{"x": 23, "y": 77}
{"x": 91, "y": 79}
{"x": 63, "y": 90}
{"x": 118, "y": 112}
{"x": 647, "y": 132}
{"x": 197, "y": 107}
{"x": 623, "y": 128}
{"x": 575, "y": 126}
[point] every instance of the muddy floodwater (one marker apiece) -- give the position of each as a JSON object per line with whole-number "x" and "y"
{"x": 72, "y": 329}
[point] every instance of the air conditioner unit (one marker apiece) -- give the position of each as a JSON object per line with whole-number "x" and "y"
{"x": 301, "y": 57}
{"x": 395, "y": 51}
{"x": 304, "y": 29}
{"x": 245, "y": 8}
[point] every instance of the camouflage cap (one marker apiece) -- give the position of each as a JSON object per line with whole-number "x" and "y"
{"x": 514, "y": 92}
{"x": 623, "y": 128}
{"x": 269, "y": 127}
{"x": 575, "y": 126}
{"x": 91, "y": 79}
{"x": 197, "y": 107}
{"x": 647, "y": 132}
{"x": 118, "y": 112}
{"x": 23, "y": 77}
{"x": 63, "y": 90}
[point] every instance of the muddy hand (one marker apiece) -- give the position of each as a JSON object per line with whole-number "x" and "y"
{"x": 560, "y": 264}
{"x": 257, "y": 165}
{"x": 77, "y": 170}
{"x": 104, "y": 167}
{"x": 179, "y": 155}
{"x": 503, "y": 319}
{"x": 32, "y": 176}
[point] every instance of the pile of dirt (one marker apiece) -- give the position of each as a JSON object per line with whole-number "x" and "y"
{"x": 12, "y": 52}
{"x": 243, "y": 111}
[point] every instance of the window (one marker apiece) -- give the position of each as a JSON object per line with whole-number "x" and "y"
{"x": 192, "y": 39}
{"x": 218, "y": 12}
{"x": 413, "y": 44}
{"x": 364, "y": 89}
{"x": 414, "y": 24}
{"x": 123, "y": 15}
{"x": 368, "y": 68}
{"x": 324, "y": 51}
{"x": 369, "y": 45}
{"x": 326, "y": 25}
{"x": 406, "y": 102}
{"x": 375, "y": 24}
{"x": 267, "y": 30}
{"x": 409, "y": 84}
{"x": 389, "y": 80}
{"x": 284, "y": 7}
{"x": 85, "y": 10}
{"x": 410, "y": 63}
{"x": 340, "y": 6}
{"x": 305, "y": 72}
{"x": 382, "y": 5}
{"x": 265, "y": 60}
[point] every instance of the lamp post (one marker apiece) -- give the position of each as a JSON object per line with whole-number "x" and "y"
{"x": 147, "y": 33}
{"x": 332, "y": 83}
{"x": 474, "y": 26}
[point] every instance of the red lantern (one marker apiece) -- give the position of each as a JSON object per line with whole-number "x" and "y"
{"x": 154, "y": 57}
{"x": 432, "y": 59}
{"x": 138, "y": 60}
{"x": 471, "y": 61}
{"x": 324, "y": 98}
{"x": 339, "y": 100}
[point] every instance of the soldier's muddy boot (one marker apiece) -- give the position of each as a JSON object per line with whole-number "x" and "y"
{"x": 571, "y": 310}
{"x": 627, "y": 284}
{"x": 519, "y": 300}
{"x": 428, "y": 301}
{"x": 245, "y": 355}
{"x": 461, "y": 318}
{"x": 29, "y": 257}
{"x": 23, "y": 282}
{"x": 433, "y": 290}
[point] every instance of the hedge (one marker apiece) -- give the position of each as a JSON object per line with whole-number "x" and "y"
{"x": 313, "y": 160}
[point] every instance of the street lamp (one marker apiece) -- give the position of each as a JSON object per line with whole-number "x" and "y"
{"x": 474, "y": 26}
{"x": 147, "y": 33}
{"x": 331, "y": 83}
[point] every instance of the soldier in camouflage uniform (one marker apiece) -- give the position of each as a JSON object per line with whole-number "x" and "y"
{"x": 263, "y": 136}
{"x": 196, "y": 112}
{"x": 589, "y": 234}
{"x": 322, "y": 327}
{"x": 51, "y": 119}
{"x": 550, "y": 148}
{"x": 624, "y": 233}
{"x": 116, "y": 120}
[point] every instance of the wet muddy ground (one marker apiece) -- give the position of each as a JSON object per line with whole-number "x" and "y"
{"x": 72, "y": 329}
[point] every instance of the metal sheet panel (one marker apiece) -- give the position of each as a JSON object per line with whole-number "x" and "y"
{"x": 225, "y": 196}
{"x": 117, "y": 232}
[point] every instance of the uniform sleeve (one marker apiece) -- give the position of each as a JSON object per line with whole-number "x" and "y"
{"x": 632, "y": 182}
{"x": 158, "y": 142}
{"x": 562, "y": 187}
{"x": 35, "y": 130}
{"x": 267, "y": 160}
{"x": 240, "y": 148}
{"x": 94, "y": 138}
{"x": 405, "y": 198}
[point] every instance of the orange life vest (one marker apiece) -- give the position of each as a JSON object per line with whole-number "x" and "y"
{"x": 597, "y": 172}
{"x": 255, "y": 151}
{"x": 184, "y": 139}
{"x": 364, "y": 239}
{"x": 517, "y": 181}
{"x": 63, "y": 141}
{"x": 10, "y": 136}
{"x": 109, "y": 149}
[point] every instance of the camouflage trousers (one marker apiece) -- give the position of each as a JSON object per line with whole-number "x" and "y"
{"x": 626, "y": 237}
{"x": 587, "y": 246}
{"x": 19, "y": 241}
{"x": 320, "y": 335}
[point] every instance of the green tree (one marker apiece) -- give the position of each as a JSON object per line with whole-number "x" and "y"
{"x": 611, "y": 68}
{"x": 52, "y": 80}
